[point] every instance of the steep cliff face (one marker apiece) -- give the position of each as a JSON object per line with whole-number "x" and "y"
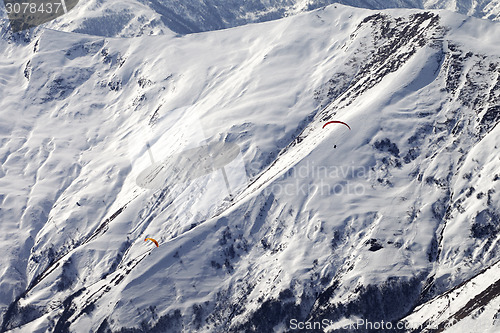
{"x": 330, "y": 225}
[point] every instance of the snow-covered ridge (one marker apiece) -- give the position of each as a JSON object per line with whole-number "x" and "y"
{"x": 469, "y": 307}
{"x": 402, "y": 209}
{"x": 140, "y": 17}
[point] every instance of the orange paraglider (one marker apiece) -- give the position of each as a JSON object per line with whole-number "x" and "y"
{"x": 153, "y": 240}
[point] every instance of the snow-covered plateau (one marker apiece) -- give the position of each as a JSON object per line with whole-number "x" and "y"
{"x": 215, "y": 145}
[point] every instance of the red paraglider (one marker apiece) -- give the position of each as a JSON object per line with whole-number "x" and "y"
{"x": 336, "y": 122}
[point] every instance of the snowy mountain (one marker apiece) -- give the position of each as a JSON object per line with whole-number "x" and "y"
{"x": 467, "y": 308}
{"x": 152, "y": 17}
{"x": 215, "y": 145}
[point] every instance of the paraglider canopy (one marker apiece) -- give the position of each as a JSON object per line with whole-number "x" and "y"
{"x": 336, "y": 122}
{"x": 153, "y": 240}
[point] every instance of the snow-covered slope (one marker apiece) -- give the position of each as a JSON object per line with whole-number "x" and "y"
{"x": 152, "y": 17}
{"x": 306, "y": 223}
{"x": 487, "y": 9}
{"x": 470, "y": 307}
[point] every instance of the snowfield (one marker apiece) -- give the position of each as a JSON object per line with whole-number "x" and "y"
{"x": 106, "y": 141}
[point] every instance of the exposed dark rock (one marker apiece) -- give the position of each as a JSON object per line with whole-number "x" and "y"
{"x": 387, "y": 145}
{"x": 486, "y": 224}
